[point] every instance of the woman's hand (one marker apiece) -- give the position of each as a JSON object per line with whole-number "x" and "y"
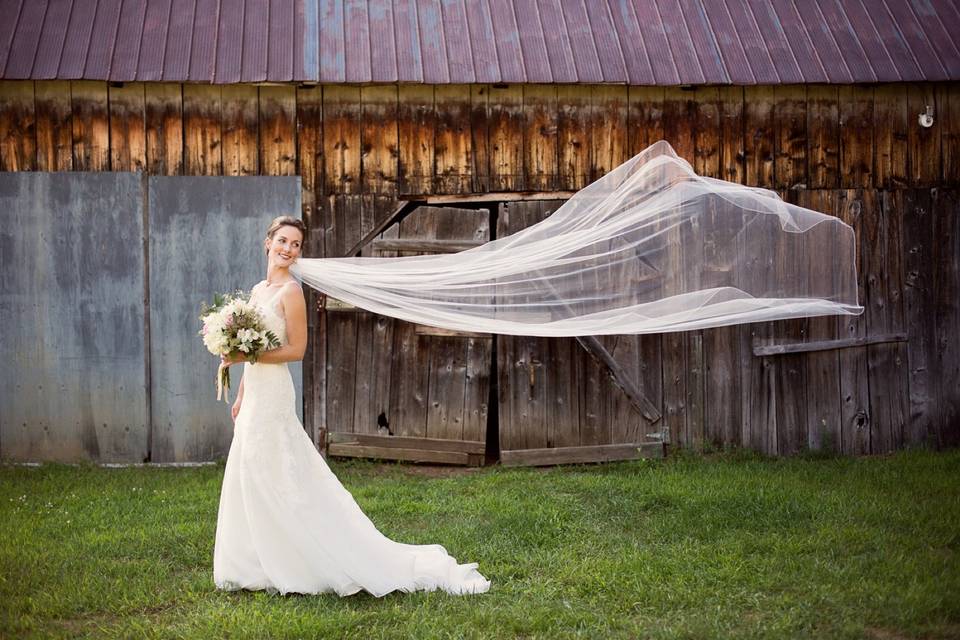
{"x": 233, "y": 359}
{"x": 235, "y": 409}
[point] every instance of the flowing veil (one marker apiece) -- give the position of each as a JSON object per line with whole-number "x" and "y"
{"x": 651, "y": 247}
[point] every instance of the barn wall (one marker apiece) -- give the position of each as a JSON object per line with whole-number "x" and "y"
{"x": 855, "y": 151}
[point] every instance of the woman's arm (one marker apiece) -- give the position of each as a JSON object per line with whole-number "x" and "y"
{"x": 295, "y": 311}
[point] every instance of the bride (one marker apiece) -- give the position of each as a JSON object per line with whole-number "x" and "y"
{"x": 285, "y": 523}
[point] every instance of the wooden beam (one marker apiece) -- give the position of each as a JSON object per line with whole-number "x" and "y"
{"x": 426, "y": 330}
{"x": 417, "y": 244}
{"x": 494, "y": 197}
{"x": 574, "y": 455}
{"x": 348, "y": 450}
{"x": 620, "y": 378}
{"x": 760, "y": 349}
{"x": 405, "y": 442}
{"x": 403, "y": 208}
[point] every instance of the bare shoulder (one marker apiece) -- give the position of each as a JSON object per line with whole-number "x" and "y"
{"x": 292, "y": 295}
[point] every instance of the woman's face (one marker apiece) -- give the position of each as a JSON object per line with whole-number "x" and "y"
{"x": 284, "y": 247}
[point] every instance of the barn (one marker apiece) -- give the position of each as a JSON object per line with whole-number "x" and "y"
{"x": 422, "y": 126}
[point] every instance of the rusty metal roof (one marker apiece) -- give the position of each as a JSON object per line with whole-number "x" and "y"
{"x": 640, "y": 42}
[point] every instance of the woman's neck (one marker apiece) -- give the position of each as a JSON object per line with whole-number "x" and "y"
{"x": 276, "y": 275}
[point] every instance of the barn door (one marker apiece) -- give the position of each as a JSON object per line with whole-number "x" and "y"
{"x": 402, "y": 391}
{"x": 564, "y": 400}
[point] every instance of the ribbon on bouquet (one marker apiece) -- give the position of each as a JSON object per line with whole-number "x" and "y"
{"x": 223, "y": 389}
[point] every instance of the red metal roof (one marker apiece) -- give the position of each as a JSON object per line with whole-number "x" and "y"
{"x": 640, "y": 42}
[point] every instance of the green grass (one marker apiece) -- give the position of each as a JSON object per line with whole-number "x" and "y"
{"x": 725, "y": 546}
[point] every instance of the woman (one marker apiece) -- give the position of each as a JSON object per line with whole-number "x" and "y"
{"x": 285, "y": 523}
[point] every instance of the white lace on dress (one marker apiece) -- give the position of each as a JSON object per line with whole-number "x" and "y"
{"x": 286, "y": 523}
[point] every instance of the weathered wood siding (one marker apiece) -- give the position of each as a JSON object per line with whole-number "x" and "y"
{"x": 855, "y": 151}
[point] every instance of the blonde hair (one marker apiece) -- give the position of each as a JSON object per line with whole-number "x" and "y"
{"x": 285, "y": 221}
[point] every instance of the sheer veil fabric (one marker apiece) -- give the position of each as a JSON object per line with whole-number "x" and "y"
{"x": 651, "y": 247}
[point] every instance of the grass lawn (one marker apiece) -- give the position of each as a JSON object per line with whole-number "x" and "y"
{"x": 722, "y": 546}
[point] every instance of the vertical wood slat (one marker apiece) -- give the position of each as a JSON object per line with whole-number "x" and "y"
{"x": 18, "y": 135}
{"x": 732, "y": 150}
{"x": 479, "y": 137}
{"x": 790, "y": 140}
{"x": 91, "y": 126}
{"x": 163, "y": 107}
{"x": 923, "y": 143}
{"x": 946, "y": 214}
{"x": 854, "y": 391}
{"x": 887, "y": 363}
{"x": 609, "y": 142}
{"x": 379, "y": 139}
{"x": 949, "y": 110}
{"x": 506, "y": 129}
{"x": 919, "y": 253}
{"x": 310, "y": 170}
{"x": 241, "y": 130}
{"x": 644, "y": 117}
{"x": 822, "y": 374}
{"x": 341, "y": 141}
{"x": 759, "y": 135}
{"x": 453, "y": 140}
{"x": 417, "y": 115}
{"x": 573, "y": 136}
{"x": 278, "y": 131}
{"x": 202, "y": 130}
{"x": 856, "y": 136}
{"x": 540, "y": 158}
{"x": 890, "y": 136}
{"x": 128, "y": 144}
{"x": 54, "y": 118}
{"x": 707, "y": 132}
{"x": 823, "y": 136}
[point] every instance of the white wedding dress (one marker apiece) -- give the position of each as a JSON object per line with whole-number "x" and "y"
{"x": 285, "y": 522}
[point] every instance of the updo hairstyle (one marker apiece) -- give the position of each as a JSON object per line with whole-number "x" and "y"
{"x": 285, "y": 221}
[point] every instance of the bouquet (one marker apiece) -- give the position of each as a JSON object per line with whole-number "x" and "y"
{"x": 231, "y": 326}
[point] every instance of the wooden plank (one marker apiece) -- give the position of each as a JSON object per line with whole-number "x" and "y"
{"x": 506, "y": 127}
{"x": 679, "y": 118}
{"x": 128, "y": 145}
{"x": 919, "y": 260}
{"x": 823, "y": 136}
{"x": 425, "y": 330}
{"x": 609, "y": 143}
{"x": 241, "y": 130}
{"x": 949, "y": 101}
{"x": 854, "y": 390}
{"x": 91, "y": 126}
{"x": 707, "y": 132}
{"x": 479, "y": 137}
{"x": 341, "y": 140}
{"x": 644, "y": 117}
{"x": 202, "y": 135}
{"x": 573, "y": 136}
{"x": 887, "y": 362}
{"x": 890, "y": 109}
{"x": 576, "y": 455}
{"x": 424, "y": 246}
{"x": 392, "y": 453}
{"x": 488, "y": 198}
{"x": 790, "y": 141}
{"x": 732, "y": 143}
{"x": 380, "y": 139}
{"x": 417, "y": 126}
{"x": 400, "y": 442}
{"x": 946, "y": 210}
{"x": 54, "y": 126}
{"x": 18, "y": 134}
{"x": 833, "y": 344}
{"x": 163, "y": 111}
{"x": 477, "y": 388}
{"x": 760, "y": 130}
{"x": 540, "y": 159}
{"x": 453, "y": 142}
{"x": 923, "y": 143}
{"x": 856, "y": 136}
{"x": 278, "y": 130}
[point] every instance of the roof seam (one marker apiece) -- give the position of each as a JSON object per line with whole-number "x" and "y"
{"x": 906, "y": 43}
{"x": 13, "y": 36}
{"x": 857, "y": 41}
{"x": 673, "y": 60}
{"x": 696, "y": 55}
{"x": 927, "y": 37}
{"x": 166, "y": 42}
{"x": 33, "y": 63}
{"x": 623, "y": 58}
{"x": 716, "y": 43}
{"x": 835, "y": 43}
{"x": 63, "y": 43}
{"x": 516, "y": 24}
{"x": 880, "y": 41}
{"x": 593, "y": 40}
{"x": 143, "y": 24}
{"x": 813, "y": 48}
{"x": 766, "y": 49}
{"x": 543, "y": 38}
{"x": 783, "y": 32}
